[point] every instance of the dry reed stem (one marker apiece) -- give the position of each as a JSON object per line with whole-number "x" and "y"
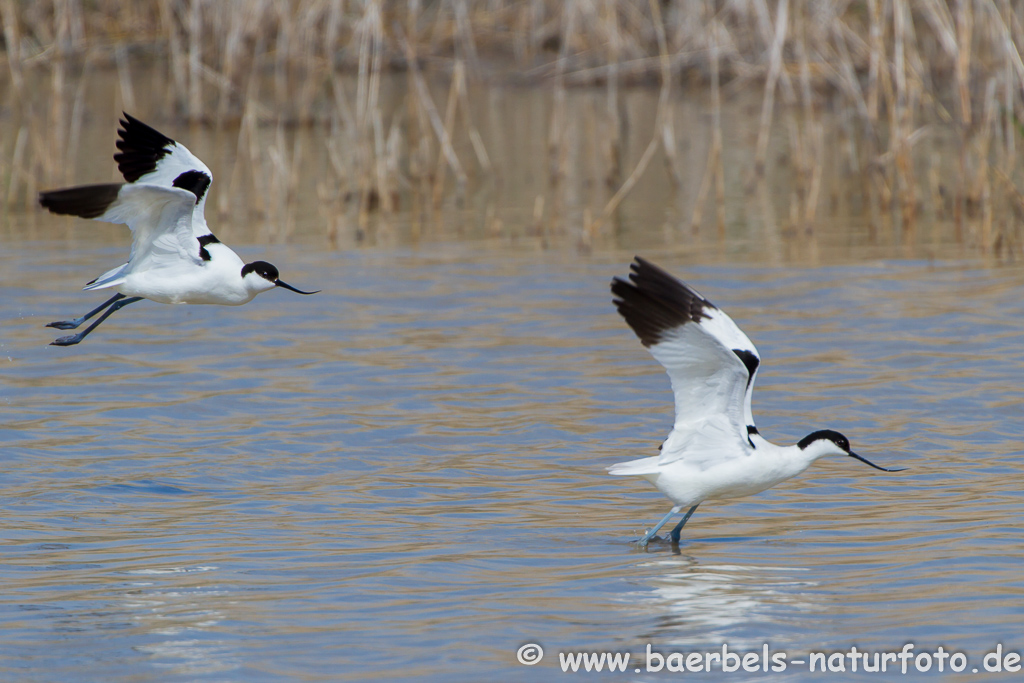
{"x": 714, "y": 155}
{"x": 774, "y": 69}
{"x": 652, "y": 146}
{"x": 482, "y": 157}
{"x": 803, "y": 133}
{"x": 428, "y": 105}
{"x": 176, "y": 65}
{"x": 965, "y": 25}
{"x": 124, "y": 78}
{"x": 464, "y": 29}
{"x": 613, "y": 144}
{"x": 449, "y": 125}
{"x": 964, "y": 21}
{"x": 77, "y": 115}
{"x": 716, "y": 134}
{"x": 811, "y": 206}
{"x": 195, "y": 41}
{"x": 714, "y": 162}
{"x": 769, "y": 35}
{"x": 12, "y": 42}
{"x": 59, "y": 121}
{"x": 17, "y": 165}
{"x": 901, "y": 123}
{"x": 876, "y": 59}
{"x": 846, "y": 79}
{"x": 557, "y": 129}
{"x": 983, "y": 182}
{"x": 668, "y": 137}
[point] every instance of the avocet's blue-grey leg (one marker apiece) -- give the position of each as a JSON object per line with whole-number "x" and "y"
{"x": 72, "y": 324}
{"x": 664, "y": 520}
{"x": 682, "y": 523}
{"x": 75, "y": 338}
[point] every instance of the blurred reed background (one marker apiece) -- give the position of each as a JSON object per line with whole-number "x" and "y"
{"x": 539, "y": 119}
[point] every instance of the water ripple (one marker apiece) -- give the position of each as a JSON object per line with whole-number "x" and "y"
{"x": 404, "y": 477}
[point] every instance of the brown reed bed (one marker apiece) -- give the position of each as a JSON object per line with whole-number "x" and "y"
{"x": 862, "y": 102}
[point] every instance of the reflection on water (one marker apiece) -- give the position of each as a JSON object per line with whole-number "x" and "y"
{"x": 699, "y": 604}
{"x": 404, "y": 477}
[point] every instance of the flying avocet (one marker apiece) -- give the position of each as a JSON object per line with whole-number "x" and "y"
{"x": 714, "y": 450}
{"x": 174, "y": 258}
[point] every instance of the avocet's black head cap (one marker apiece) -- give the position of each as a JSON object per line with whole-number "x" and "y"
{"x": 843, "y": 443}
{"x": 268, "y": 272}
{"x": 265, "y": 270}
{"x": 828, "y": 434}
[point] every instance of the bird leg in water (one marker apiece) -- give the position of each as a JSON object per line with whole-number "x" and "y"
{"x": 682, "y": 523}
{"x": 642, "y": 542}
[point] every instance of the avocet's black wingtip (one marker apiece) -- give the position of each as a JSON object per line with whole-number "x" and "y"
{"x": 639, "y": 264}
{"x": 653, "y": 302}
{"x": 142, "y": 147}
{"x": 85, "y": 201}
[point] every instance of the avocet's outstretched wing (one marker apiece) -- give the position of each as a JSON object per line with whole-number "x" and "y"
{"x": 160, "y": 219}
{"x": 148, "y": 156}
{"x": 711, "y": 363}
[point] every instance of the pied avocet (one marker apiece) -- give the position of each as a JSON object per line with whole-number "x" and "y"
{"x": 714, "y": 450}
{"x": 174, "y": 258}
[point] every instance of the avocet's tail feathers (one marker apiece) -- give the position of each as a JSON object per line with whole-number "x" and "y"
{"x": 636, "y": 468}
{"x": 111, "y": 278}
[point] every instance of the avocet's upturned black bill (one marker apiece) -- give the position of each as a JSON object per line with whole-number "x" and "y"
{"x": 174, "y": 259}
{"x": 714, "y": 450}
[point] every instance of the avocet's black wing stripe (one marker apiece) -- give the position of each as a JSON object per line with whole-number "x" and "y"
{"x": 750, "y": 360}
{"x": 205, "y": 240}
{"x": 195, "y": 182}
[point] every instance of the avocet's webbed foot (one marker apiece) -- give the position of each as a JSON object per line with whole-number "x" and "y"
{"x": 67, "y": 324}
{"x": 69, "y": 340}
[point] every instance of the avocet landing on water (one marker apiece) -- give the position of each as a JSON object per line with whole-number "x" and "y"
{"x": 714, "y": 450}
{"x": 174, "y": 259}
